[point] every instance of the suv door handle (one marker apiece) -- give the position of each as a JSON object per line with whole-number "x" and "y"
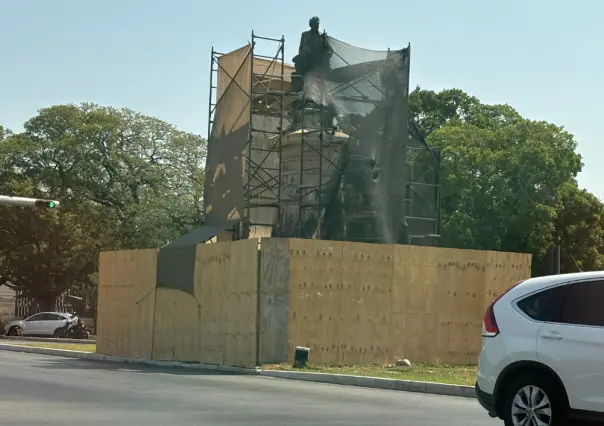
{"x": 556, "y": 336}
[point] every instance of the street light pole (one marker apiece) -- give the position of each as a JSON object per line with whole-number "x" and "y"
{"x": 6, "y": 200}
{"x": 558, "y": 258}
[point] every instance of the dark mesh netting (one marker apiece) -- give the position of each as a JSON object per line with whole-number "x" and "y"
{"x": 387, "y": 192}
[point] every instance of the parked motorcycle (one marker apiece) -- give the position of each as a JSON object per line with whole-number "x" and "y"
{"x": 78, "y": 330}
{"x": 74, "y": 329}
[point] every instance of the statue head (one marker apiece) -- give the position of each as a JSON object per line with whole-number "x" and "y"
{"x": 314, "y": 23}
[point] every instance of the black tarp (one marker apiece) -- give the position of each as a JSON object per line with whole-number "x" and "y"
{"x": 176, "y": 261}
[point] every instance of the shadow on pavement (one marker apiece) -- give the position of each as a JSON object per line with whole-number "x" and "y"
{"x": 72, "y": 363}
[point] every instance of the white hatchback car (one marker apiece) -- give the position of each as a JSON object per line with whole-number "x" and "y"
{"x": 48, "y": 324}
{"x": 542, "y": 358}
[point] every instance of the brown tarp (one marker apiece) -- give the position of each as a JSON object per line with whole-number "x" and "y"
{"x": 223, "y": 190}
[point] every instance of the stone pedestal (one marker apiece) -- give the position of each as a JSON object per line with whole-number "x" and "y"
{"x": 308, "y": 161}
{"x": 311, "y": 116}
{"x": 307, "y": 164}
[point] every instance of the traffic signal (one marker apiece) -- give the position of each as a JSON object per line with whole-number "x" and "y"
{"x": 6, "y": 200}
{"x": 46, "y": 204}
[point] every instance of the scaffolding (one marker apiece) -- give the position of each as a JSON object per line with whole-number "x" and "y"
{"x": 322, "y": 151}
{"x": 282, "y": 181}
{"x": 266, "y": 109}
{"x": 267, "y": 103}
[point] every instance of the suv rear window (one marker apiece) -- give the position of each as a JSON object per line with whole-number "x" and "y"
{"x": 584, "y": 304}
{"x": 546, "y": 305}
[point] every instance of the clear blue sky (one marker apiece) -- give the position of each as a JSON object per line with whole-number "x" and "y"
{"x": 543, "y": 57}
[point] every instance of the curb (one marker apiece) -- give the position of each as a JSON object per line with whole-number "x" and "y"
{"x": 91, "y": 356}
{"x": 375, "y": 383}
{"x": 49, "y": 340}
{"x": 335, "y": 379}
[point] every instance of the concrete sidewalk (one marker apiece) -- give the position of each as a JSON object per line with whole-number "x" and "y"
{"x": 336, "y": 379}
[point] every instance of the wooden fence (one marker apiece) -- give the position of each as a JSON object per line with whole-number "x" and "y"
{"x": 351, "y": 303}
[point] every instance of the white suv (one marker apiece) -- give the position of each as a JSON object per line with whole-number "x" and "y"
{"x": 542, "y": 358}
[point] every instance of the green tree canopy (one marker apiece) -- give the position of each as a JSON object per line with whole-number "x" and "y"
{"x": 46, "y": 251}
{"x": 145, "y": 172}
{"x": 504, "y": 177}
{"x": 125, "y": 180}
{"x": 432, "y": 110}
{"x": 580, "y": 226}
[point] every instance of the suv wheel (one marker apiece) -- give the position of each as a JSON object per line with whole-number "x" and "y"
{"x": 533, "y": 400}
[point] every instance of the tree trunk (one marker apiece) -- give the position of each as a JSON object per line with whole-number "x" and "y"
{"x": 47, "y": 303}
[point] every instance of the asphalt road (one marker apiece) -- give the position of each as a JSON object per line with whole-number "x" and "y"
{"x": 36, "y": 389}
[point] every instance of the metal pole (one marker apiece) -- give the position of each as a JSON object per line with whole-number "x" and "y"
{"x": 6, "y": 200}
{"x": 301, "y": 177}
{"x": 320, "y": 187}
{"x": 437, "y": 192}
{"x": 210, "y": 95}
{"x": 281, "y": 132}
{"x": 250, "y": 136}
{"x": 558, "y": 250}
{"x": 558, "y": 258}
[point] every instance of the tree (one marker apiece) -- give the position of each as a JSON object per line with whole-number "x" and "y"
{"x": 4, "y": 133}
{"x": 432, "y": 110}
{"x": 44, "y": 252}
{"x": 146, "y": 173}
{"x": 499, "y": 185}
{"x": 580, "y": 227}
{"x": 501, "y": 174}
{"x": 124, "y": 180}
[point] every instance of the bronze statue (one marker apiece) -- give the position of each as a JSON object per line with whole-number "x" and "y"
{"x": 314, "y": 51}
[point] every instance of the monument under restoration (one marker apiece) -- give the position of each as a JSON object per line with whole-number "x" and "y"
{"x": 321, "y": 149}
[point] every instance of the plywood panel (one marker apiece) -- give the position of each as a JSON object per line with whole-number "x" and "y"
{"x": 459, "y": 299}
{"x": 226, "y": 285}
{"x": 217, "y": 324}
{"x": 126, "y": 302}
{"x": 349, "y": 302}
{"x": 315, "y": 293}
{"x": 241, "y": 305}
{"x": 504, "y": 269}
{"x": 414, "y": 323}
{"x": 211, "y": 278}
{"x": 366, "y": 293}
{"x": 177, "y": 328}
{"x": 274, "y": 300}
